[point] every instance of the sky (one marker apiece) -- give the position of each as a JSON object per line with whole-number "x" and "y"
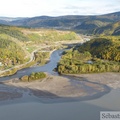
{"x": 31, "y": 8}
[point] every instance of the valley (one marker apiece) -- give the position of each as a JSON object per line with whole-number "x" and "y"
{"x": 29, "y": 41}
{"x": 71, "y": 61}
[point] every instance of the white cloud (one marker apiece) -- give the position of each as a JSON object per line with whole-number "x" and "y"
{"x": 92, "y": 7}
{"x": 29, "y": 8}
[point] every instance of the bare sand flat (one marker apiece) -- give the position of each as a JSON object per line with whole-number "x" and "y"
{"x": 9, "y": 92}
{"x": 110, "y": 79}
{"x": 57, "y": 87}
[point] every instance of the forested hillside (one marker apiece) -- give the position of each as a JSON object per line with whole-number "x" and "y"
{"x": 102, "y": 48}
{"x": 10, "y": 53}
{"x": 110, "y": 29}
{"x": 89, "y": 25}
{"x": 96, "y": 55}
{"x": 16, "y": 43}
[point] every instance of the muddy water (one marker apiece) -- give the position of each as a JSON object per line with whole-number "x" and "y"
{"x": 80, "y": 110}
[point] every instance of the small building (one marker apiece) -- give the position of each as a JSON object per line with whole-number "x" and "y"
{"x": 90, "y": 62}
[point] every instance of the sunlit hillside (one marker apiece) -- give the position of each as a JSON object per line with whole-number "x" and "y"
{"x": 111, "y": 29}
{"x": 17, "y": 43}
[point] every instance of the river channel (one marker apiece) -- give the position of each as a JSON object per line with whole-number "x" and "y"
{"x": 54, "y": 58}
{"x": 33, "y": 109}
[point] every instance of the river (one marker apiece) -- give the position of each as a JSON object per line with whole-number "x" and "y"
{"x": 34, "y": 109}
{"x": 54, "y": 58}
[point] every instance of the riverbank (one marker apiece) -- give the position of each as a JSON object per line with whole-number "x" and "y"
{"x": 30, "y": 63}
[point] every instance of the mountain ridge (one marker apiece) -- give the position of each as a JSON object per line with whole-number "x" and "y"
{"x": 79, "y": 23}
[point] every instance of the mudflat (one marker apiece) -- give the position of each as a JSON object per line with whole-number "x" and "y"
{"x": 110, "y": 79}
{"x": 82, "y": 86}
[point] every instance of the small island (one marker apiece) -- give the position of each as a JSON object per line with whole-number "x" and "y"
{"x": 33, "y": 76}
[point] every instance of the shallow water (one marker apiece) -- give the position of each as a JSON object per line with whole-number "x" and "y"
{"x": 80, "y": 110}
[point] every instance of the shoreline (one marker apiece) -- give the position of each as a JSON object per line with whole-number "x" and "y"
{"x": 55, "y": 88}
{"x": 111, "y": 79}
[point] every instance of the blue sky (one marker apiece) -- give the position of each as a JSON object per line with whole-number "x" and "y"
{"x": 30, "y": 8}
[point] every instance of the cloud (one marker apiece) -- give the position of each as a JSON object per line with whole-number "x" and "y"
{"x": 93, "y": 7}
{"x": 29, "y": 8}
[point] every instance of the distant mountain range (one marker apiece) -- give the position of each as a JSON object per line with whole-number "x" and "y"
{"x": 85, "y": 24}
{"x": 9, "y": 19}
